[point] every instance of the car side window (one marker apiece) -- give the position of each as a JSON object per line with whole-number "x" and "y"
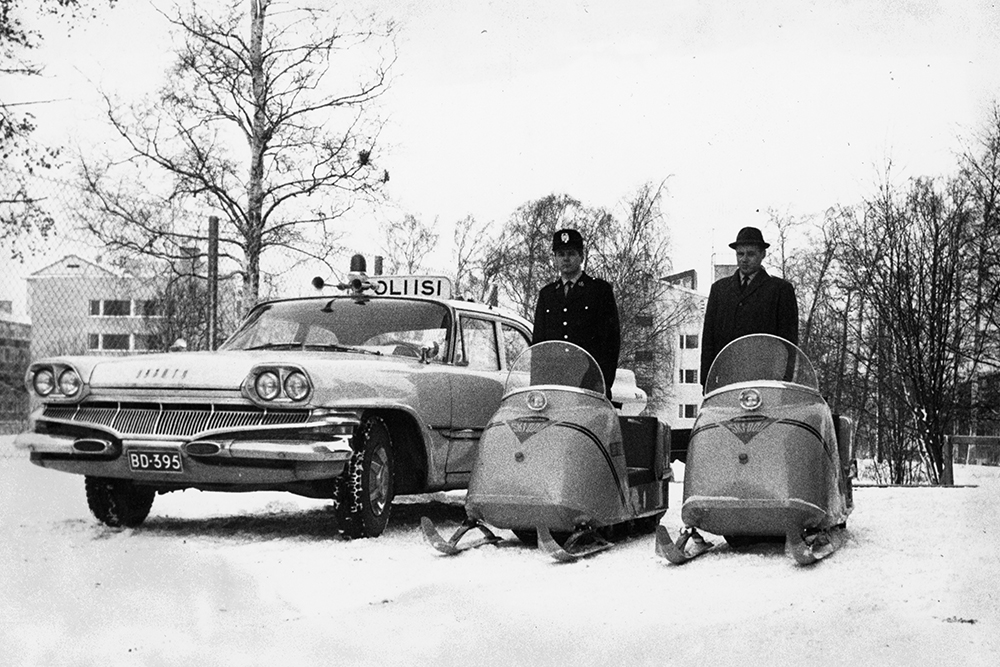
{"x": 478, "y": 348}
{"x": 514, "y": 343}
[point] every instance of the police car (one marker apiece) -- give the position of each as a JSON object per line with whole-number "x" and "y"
{"x": 380, "y": 390}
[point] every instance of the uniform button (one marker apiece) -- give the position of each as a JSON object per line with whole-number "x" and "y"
{"x": 565, "y": 323}
{"x": 565, "y": 309}
{"x": 565, "y": 335}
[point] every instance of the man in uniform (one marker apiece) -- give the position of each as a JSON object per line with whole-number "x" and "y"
{"x": 749, "y": 301}
{"x": 579, "y": 308}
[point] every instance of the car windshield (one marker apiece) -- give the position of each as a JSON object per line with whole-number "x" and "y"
{"x": 378, "y": 326}
{"x": 760, "y": 357}
{"x": 553, "y": 362}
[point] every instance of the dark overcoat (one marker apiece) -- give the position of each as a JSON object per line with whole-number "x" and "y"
{"x": 767, "y": 306}
{"x": 588, "y": 317}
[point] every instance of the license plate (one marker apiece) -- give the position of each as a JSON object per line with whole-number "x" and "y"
{"x": 141, "y": 460}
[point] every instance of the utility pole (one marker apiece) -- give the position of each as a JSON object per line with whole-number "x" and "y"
{"x": 213, "y": 282}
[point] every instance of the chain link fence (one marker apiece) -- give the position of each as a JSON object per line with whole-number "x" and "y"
{"x": 61, "y": 293}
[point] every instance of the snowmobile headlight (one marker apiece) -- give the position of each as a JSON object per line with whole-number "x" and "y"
{"x": 536, "y": 400}
{"x": 750, "y": 399}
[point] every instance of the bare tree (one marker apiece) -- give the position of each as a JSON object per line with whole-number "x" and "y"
{"x": 407, "y": 242}
{"x": 281, "y": 84}
{"x": 908, "y": 258}
{"x": 24, "y": 218}
{"x": 470, "y": 251}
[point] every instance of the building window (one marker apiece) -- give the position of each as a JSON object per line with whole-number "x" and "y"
{"x": 109, "y": 341}
{"x": 687, "y": 411}
{"x": 111, "y": 308}
{"x": 115, "y": 342}
{"x": 689, "y": 341}
{"x": 689, "y": 376}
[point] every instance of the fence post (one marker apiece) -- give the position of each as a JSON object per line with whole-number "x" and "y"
{"x": 948, "y": 474}
{"x": 213, "y": 282}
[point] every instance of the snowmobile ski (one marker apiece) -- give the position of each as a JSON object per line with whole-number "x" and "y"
{"x": 680, "y": 552}
{"x": 451, "y": 546}
{"x": 581, "y": 544}
{"x": 807, "y": 549}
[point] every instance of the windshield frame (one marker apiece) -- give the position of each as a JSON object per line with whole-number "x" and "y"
{"x": 308, "y": 313}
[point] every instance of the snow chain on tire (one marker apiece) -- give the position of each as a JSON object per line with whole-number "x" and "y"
{"x": 352, "y": 495}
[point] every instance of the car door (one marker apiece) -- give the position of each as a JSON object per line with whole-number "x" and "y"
{"x": 477, "y": 386}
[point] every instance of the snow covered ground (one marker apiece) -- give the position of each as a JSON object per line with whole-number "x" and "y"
{"x": 262, "y": 579}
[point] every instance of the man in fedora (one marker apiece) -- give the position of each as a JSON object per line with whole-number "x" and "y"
{"x": 749, "y": 301}
{"x": 579, "y": 308}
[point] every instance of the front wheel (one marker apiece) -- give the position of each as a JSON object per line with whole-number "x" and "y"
{"x": 368, "y": 482}
{"x": 119, "y": 503}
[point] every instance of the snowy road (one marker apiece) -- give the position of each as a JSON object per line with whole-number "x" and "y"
{"x": 255, "y": 579}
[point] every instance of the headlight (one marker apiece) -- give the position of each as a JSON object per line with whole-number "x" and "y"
{"x": 43, "y": 382}
{"x": 69, "y": 382}
{"x": 296, "y": 386}
{"x": 536, "y": 400}
{"x": 267, "y": 385}
{"x": 750, "y": 399}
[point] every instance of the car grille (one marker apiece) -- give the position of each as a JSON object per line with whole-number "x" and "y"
{"x": 132, "y": 419}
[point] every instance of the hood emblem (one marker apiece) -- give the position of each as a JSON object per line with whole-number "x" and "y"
{"x": 161, "y": 374}
{"x": 749, "y": 427}
{"x": 525, "y": 427}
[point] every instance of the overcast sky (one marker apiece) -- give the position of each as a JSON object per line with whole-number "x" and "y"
{"x": 740, "y": 107}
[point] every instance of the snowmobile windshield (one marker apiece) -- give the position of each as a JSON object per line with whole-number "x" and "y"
{"x": 555, "y": 363}
{"x": 761, "y": 357}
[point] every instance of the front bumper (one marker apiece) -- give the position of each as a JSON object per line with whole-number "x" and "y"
{"x": 258, "y": 457}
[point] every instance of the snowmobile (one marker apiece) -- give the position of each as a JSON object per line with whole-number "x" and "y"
{"x": 558, "y": 466}
{"x": 767, "y": 460}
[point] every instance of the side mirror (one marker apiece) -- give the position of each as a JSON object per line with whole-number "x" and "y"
{"x": 179, "y": 345}
{"x": 428, "y": 352}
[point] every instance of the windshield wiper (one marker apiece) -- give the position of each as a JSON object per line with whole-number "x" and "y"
{"x": 277, "y": 346}
{"x": 339, "y": 348}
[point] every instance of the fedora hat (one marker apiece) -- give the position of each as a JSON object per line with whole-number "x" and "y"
{"x": 750, "y": 236}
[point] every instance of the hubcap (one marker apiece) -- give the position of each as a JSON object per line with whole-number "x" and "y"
{"x": 378, "y": 480}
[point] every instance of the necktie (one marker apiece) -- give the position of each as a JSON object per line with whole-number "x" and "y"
{"x": 567, "y": 288}
{"x": 746, "y": 281}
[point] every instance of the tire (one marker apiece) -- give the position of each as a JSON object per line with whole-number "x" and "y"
{"x": 118, "y": 503}
{"x": 368, "y": 486}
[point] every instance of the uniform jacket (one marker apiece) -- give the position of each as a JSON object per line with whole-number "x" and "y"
{"x": 767, "y": 306}
{"x": 587, "y": 317}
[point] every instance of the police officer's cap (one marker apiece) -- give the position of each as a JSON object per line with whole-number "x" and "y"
{"x": 567, "y": 238}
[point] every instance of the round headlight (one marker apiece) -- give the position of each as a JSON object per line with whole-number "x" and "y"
{"x": 267, "y": 385}
{"x": 536, "y": 400}
{"x": 69, "y": 382}
{"x": 43, "y": 382}
{"x": 296, "y": 386}
{"x": 750, "y": 399}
